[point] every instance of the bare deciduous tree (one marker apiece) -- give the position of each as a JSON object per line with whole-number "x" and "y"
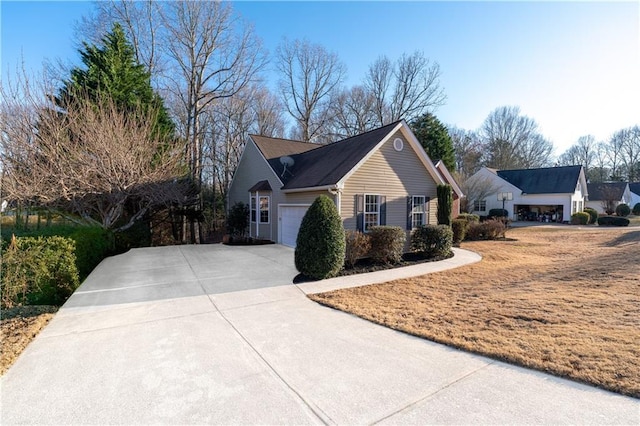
{"x": 583, "y": 153}
{"x": 468, "y": 151}
{"x": 91, "y": 159}
{"x": 140, "y": 20}
{"x": 513, "y": 140}
{"x": 354, "y": 113}
{"x": 405, "y": 89}
{"x": 309, "y": 77}
{"x": 476, "y": 188}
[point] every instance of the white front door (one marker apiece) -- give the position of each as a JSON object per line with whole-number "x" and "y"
{"x": 290, "y": 220}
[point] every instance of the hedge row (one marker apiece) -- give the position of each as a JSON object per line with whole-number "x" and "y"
{"x": 38, "y": 271}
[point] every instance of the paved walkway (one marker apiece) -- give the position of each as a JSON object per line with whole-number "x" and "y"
{"x": 217, "y": 335}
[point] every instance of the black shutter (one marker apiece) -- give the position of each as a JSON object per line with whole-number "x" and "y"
{"x": 359, "y": 208}
{"x": 409, "y": 212}
{"x": 383, "y": 210}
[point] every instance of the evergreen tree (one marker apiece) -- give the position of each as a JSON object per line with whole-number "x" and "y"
{"x": 435, "y": 139}
{"x": 111, "y": 73}
{"x": 445, "y": 203}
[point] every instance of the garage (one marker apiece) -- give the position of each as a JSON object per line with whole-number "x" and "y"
{"x": 290, "y": 220}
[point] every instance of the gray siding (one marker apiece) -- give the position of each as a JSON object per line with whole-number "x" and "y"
{"x": 395, "y": 175}
{"x": 252, "y": 169}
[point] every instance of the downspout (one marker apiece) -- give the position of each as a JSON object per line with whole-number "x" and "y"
{"x": 337, "y": 193}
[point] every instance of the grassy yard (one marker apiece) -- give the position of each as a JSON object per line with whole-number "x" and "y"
{"x": 564, "y": 300}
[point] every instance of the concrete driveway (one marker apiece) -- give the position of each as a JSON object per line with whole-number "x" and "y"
{"x": 219, "y": 335}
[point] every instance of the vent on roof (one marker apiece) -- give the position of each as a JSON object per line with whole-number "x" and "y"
{"x": 287, "y": 162}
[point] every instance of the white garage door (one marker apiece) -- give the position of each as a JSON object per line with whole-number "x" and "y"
{"x": 290, "y": 220}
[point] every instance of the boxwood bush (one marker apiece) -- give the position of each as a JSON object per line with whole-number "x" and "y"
{"x": 593, "y": 215}
{"x": 613, "y": 221}
{"x": 320, "y": 246}
{"x": 636, "y": 209}
{"x": 493, "y": 213}
{"x": 623, "y": 210}
{"x": 387, "y": 243}
{"x": 580, "y": 218}
{"x": 38, "y": 271}
{"x": 459, "y": 229}
{"x": 357, "y": 246}
{"x": 432, "y": 240}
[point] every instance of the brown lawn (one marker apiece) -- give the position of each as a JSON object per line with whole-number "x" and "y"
{"x": 18, "y": 327}
{"x": 564, "y": 300}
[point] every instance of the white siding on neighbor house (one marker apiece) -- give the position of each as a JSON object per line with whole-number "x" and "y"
{"x": 395, "y": 175}
{"x": 251, "y": 170}
{"x": 633, "y": 199}
{"x": 565, "y": 200}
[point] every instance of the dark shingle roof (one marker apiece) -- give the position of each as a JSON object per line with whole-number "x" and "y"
{"x": 635, "y": 187}
{"x": 263, "y": 185}
{"x": 548, "y": 180}
{"x": 276, "y": 148}
{"x": 321, "y": 165}
{"x": 606, "y": 190}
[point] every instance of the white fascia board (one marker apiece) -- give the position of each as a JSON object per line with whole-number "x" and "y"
{"x": 313, "y": 188}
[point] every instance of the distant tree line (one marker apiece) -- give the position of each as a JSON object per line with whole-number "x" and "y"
{"x": 197, "y": 70}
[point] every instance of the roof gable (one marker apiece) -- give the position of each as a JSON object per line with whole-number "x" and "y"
{"x": 606, "y": 190}
{"x": 548, "y": 180}
{"x": 275, "y": 147}
{"x": 319, "y": 165}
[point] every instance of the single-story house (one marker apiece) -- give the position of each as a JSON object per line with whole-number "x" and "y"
{"x": 550, "y": 194}
{"x": 381, "y": 177}
{"x": 634, "y": 189}
{"x": 608, "y": 195}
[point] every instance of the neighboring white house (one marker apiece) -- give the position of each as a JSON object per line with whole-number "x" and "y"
{"x": 603, "y": 195}
{"x": 545, "y": 194}
{"x": 634, "y": 189}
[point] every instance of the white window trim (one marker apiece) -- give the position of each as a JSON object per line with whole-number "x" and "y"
{"x": 424, "y": 213}
{"x": 253, "y": 218}
{"x": 259, "y": 210}
{"x": 480, "y": 209}
{"x": 365, "y": 212}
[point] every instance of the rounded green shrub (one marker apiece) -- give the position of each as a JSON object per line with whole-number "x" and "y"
{"x": 623, "y": 210}
{"x": 498, "y": 213}
{"x": 636, "y": 209}
{"x": 387, "y": 243}
{"x": 459, "y": 229}
{"x": 320, "y": 246}
{"x": 432, "y": 240}
{"x": 580, "y": 218}
{"x": 593, "y": 215}
{"x": 613, "y": 221}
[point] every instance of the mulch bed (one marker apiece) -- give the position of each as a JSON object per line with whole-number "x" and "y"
{"x": 368, "y": 265}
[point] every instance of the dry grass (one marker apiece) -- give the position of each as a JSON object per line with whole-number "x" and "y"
{"x": 564, "y": 300}
{"x": 18, "y": 327}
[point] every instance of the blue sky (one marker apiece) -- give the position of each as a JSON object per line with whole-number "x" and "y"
{"x": 573, "y": 67}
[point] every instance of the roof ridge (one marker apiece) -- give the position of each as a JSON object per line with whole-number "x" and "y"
{"x": 537, "y": 168}
{"x": 352, "y": 137}
{"x": 283, "y": 139}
